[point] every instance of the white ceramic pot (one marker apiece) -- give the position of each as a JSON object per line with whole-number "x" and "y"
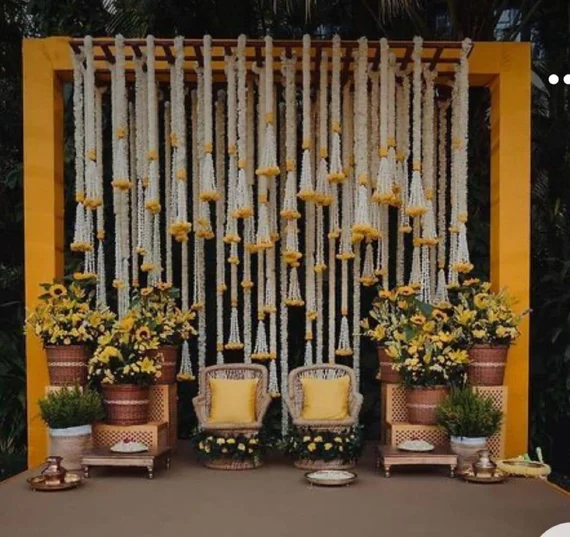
{"x": 71, "y": 444}
{"x": 466, "y": 449}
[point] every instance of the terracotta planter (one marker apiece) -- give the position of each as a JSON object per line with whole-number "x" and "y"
{"x": 71, "y": 444}
{"x": 168, "y": 355}
{"x": 125, "y": 404}
{"x": 487, "y": 365}
{"x": 67, "y": 365}
{"x": 467, "y": 449}
{"x": 423, "y": 402}
{"x": 335, "y": 464}
{"x": 386, "y": 373}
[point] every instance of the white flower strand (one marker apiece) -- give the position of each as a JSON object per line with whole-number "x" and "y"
{"x": 336, "y": 173}
{"x": 441, "y": 288}
{"x": 167, "y": 116}
{"x": 306, "y": 187}
{"x": 141, "y": 121}
{"x": 101, "y": 288}
{"x": 133, "y": 216}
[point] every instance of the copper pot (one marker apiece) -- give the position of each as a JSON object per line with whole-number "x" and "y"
{"x": 54, "y": 473}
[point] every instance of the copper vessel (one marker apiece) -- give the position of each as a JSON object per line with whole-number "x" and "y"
{"x": 54, "y": 473}
{"x": 484, "y": 466}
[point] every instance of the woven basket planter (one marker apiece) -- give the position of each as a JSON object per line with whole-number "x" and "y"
{"x": 67, "y": 365}
{"x": 387, "y": 373}
{"x": 71, "y": 444}
{"x": 232, "y": 464}
{"x": 125, "y": 404}
{"x": 336, "y": 464}
{"x": 487, "y": 365}
{"x": 423, "y": 402}
{"x": 168, "y": 355}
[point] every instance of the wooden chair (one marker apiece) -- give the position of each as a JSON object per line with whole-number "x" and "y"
{"x": 325, "y": 371}
{"x": 202, "y": 402}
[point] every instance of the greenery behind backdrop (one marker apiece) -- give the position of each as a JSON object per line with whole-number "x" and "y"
{"x": 544, "y": 22}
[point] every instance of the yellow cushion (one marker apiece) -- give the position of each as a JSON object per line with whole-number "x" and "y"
{"x": 233, "y": 400}
{"x": 325, "y": 399}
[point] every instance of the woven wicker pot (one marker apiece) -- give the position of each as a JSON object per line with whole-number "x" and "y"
{"x": 487, "y": 365}
{"x": 423, "y": 402}
{"x": 125, "y": 404}
{"x": 336, "y": 464}
{"x": 466, "y": 449}
{"x": 231, "y": 464}
{"x": 67, "y": 364}
{"x": 167, "y": 354}
{"x": 387, "y": 373}
{"x": 71, "y": 444}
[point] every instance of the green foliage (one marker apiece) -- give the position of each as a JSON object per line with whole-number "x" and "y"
{"x": 234, "y": 446}
{"x": 324, "y": 445}
{"x": 71, "y": 407}
{"x": 465, "y": 412}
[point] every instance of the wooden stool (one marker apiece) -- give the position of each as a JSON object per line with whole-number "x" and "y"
{"x": 389, "y": 456}
{"x": 106, "y": 457}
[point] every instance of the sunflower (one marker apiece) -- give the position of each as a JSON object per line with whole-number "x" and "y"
{"x": 57, "y": 290}
{"x": 143, "y": 333}
{"x": 146, "y": 291}
{"x": 418, "y": 319}
{"x": 406, "y": 290}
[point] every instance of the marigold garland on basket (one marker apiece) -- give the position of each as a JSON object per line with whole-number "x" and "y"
{"x": 239, "y": 447}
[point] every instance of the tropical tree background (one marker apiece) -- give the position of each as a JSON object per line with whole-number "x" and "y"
{"x": 546, "y": 23}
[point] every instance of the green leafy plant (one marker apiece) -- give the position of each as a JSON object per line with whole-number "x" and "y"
{"x": 467, "y": 413}
{"x": 324, "y": 445}
{"x": 71, "y": 407}
{"x": 238, "y": 447}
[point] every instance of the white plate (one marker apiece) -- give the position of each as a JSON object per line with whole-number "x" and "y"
{"x": 331, "y": 478}
{"x": 135, "y": 447}
{"x": 416, "y": 445}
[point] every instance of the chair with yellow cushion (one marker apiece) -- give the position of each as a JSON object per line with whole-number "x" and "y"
{"x": 233, "y": 399}
{"x": 323, "y": 397}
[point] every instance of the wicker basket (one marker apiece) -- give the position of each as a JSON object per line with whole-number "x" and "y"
{"x": 125, "y": 404}
{"x": 386, "y": 373}
{"x": 232, "y": 464}
{"x": 487, "y": 365}
{"x": 167, "y": 354}
{"x": 67, "y": 365}
{"x": 335, "y": 464}
{"x": 423, "y": 402}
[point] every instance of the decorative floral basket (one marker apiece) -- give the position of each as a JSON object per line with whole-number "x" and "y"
{"x": 67, "y": 364}
{"x": 167, "y": 355}
{"x": 422, "y": 403}
{"x": 387, "y": 373}
{"x": 233, "y": 464}
{"x": 125, "y": 404}
{"x": 336, "y": 464}
{"x": 487, "y": 365}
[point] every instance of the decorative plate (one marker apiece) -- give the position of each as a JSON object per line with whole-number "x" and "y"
{"x": 523, "y": 467}
{"x": 416, "y": 445}
{"x": 72, "y": 481}
{"x": 127, "y": 446}
{"x": 331, "y": 478}
{"x": 497, "y": 477}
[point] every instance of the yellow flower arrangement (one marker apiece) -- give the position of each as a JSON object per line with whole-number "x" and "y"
{"x": 485, "y": 317}
{"x": 65, "y": 314}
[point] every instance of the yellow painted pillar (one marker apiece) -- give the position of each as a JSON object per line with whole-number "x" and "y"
{"x": 43, "y": 213}
{"x": 510, "y": 217}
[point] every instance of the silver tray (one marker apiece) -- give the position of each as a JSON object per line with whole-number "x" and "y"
{"x": 497, "y": 477}
{"x": 331, "y": 478}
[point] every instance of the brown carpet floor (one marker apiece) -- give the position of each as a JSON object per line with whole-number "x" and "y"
{"x": 274, "y": 501}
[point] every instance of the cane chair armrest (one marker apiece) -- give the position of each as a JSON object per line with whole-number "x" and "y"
{"x": 355, "y": 405}
{"x": 199, "y": 403}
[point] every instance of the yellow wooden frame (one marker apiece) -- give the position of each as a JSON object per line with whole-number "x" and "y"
{"x": 502, "y": 67}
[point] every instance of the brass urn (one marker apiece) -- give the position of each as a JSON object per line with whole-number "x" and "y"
{"x": 484, "y": 466}
{"x": 54, "y": 473}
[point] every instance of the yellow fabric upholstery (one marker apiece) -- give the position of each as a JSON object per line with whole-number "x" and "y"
{"x": 233, "y": 400}
{"x": 325, "y": 399}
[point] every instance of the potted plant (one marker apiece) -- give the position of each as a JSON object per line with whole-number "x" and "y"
{"x": 69, "y": 414}
{"x": 388, "y": 309}
{"x": 427, "y": 352}
{"x": 318, "y": 450}
{"x": 125, "y": 368}
{"x": 67, "y": 325}
{"x": 489, "y": 326}
{"x": 469, "y": 418}
{"x": 155, "y": 307}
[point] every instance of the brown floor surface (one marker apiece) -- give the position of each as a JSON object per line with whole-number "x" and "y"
{"x": 274, "y": 501}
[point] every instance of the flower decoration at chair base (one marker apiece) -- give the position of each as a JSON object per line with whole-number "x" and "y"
{"x": 238, "y": 448}
{"x": 344, "y": 446}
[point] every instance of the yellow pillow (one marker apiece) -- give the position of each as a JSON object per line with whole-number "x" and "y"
{"x": 325, "y": 399}
{"x": 233, "y": 400}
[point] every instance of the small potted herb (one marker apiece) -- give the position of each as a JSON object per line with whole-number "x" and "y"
{"x": 69, "y": 413}
{"x": 469, "y": 418}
